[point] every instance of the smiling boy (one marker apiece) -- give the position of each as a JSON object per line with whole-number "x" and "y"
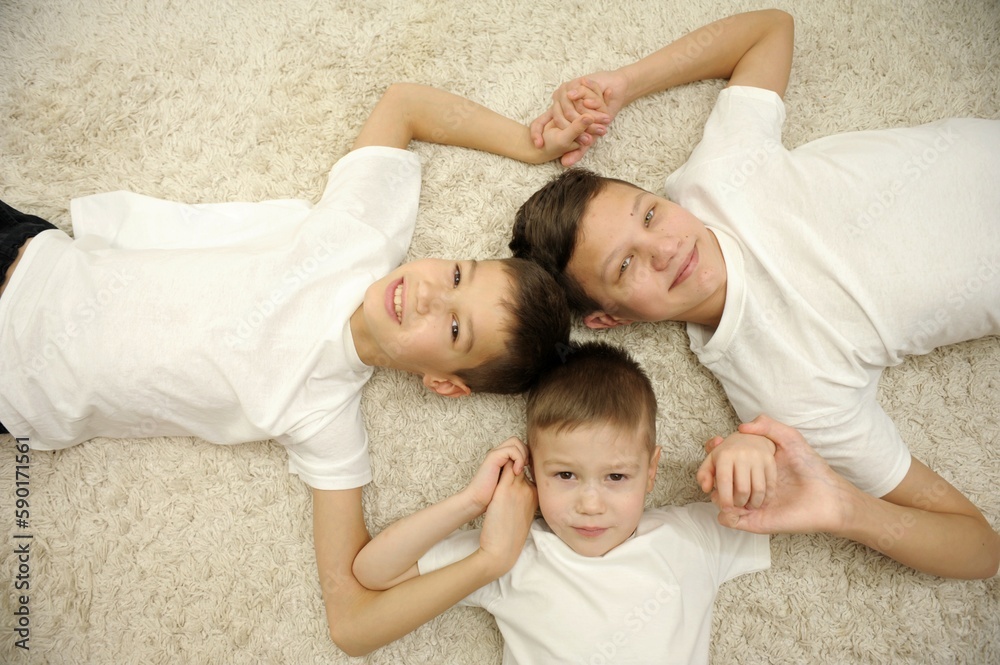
{"x": 598, "y": 578}
{"x": 801, "y": 274}
{"x": 239, "y": 322}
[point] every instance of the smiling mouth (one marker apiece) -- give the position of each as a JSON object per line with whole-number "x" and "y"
{"x": 397, "y": 301}
{"x": 689, "y": 266}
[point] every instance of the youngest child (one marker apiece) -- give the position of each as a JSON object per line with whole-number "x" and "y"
{"x": 597, "y": 579}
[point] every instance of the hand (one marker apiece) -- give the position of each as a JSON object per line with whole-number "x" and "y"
{"x": 557, "y": 142}
{"x": 741, "y": 468}
{"x": 508, "y": 519}
{"x": 808, "y": 496}
{"x": 481, "y": 487}
{"x": 601, "y": 95}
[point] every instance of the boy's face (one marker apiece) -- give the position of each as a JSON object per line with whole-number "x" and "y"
{"x": 644, "y": 258}
{"x": 592, "y": 483}
{"x": 434, "y": 317}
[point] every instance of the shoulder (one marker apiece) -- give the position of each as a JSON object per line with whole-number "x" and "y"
{"x": 371, "y": 161}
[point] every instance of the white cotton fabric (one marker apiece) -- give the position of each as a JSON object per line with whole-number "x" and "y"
{"x": 843, "y": 256}
{"x": 649, "y": 600}
{"x": 229, "y": 321}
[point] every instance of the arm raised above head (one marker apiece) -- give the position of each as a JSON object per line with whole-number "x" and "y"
{"x": 752, "y": 49}
{"x": 408, "y": 111}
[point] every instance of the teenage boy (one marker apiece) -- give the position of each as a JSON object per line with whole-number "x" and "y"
{"x": 565, "y": 588}
{"x": 801, "y": 274}
{"x": 268, "y": 326}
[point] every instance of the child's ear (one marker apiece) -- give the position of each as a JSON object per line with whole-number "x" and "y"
{"x": 600, "y": 320}
{"x": 654, "y": 463}
{"x": 447, "y": 387}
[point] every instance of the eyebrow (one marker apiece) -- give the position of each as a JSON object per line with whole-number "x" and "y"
{"x": 471, "y": 336}
{"x": 617, "y": 251}
{"x": 628, "y": 467}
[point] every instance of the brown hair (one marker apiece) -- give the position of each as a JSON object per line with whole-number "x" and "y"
{"x": 537, "y": 332}
{"x": 597, "y": 383}
{"x": 547, "y": 225}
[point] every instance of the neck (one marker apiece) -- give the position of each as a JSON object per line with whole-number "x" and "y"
{"x": 715, "y": 304}
{"x": 363, "y": 344}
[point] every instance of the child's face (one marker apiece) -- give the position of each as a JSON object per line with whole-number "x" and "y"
{"x": 434, "y": 317}
{"x": 644, "y": 258}
{"x": 592, "y": 483}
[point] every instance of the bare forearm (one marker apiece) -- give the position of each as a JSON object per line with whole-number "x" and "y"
{"x": 359, "y": 619}
{"x": 945, "y": 544}
{"x": 408, "y": 111}
{"x": 372, "y": 619}
{"x": 394, "y": 551}
{"x": 715, "y": 51}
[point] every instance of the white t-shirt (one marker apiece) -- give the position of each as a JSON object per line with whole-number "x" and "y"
{"x": 649, "y": 600}
{"x": 229, "y": 322}
{"x": 843, "y": 256}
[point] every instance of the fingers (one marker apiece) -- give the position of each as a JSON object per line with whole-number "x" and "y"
{"x": 537, "y": 125}
{"x": 579, "y": 142}
{"x": 514, "y": 451}
{"x": 734, "y": 520}
{"x": 706, "y": 475}
{"x": 573, "y": 156}
{"x": 758, "y": 488}
{"x": 724, "y": 485}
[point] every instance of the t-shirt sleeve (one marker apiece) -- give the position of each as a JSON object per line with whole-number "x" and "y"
{"x": 456, "y": 547}
{"x": 335, "y": 456}
{"x": 377, "y": 185}
{"x": 729, "y": 552}
{"x": 127, "y": 220}
{"x": 862, "y": 444}
{"x": 745, "y": 126}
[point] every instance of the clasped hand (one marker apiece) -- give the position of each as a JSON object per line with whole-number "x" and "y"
{"x": 765, "y": 478}
{"x": 585, "y": 105}
{"x": 501, "y": 489}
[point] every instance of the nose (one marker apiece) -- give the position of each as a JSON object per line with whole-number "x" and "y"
{"x": 589, "y": 501}
{"x": 431, "y": 297}
{"x": 661, "y": 250}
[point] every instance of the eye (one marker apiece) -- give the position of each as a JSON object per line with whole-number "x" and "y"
{"x": 625, "y": 264}
{"x": 648, "y": 219}
{"x": 616, "y": 477}
{"x": 565, "y": 475}
{"x": 454, "y": 329}
{"x": 457, "y": 277}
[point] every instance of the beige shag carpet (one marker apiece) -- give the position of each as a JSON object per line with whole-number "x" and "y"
{"x": 177, "y": 551}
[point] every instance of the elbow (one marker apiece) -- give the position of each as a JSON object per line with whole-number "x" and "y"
{"x": 398, "y": 95}
{"x": 781, "y": 22}
{"x": 781, "y": 18}
{"x": 348, "y": 639}
{"x": 993, "y": 555}
{"x": 987, "y": 564}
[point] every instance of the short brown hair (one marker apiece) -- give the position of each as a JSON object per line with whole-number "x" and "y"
{"x": 537, "y": 332}
{"x": 597, "y": 383}
{"x": 547, "y": 225}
